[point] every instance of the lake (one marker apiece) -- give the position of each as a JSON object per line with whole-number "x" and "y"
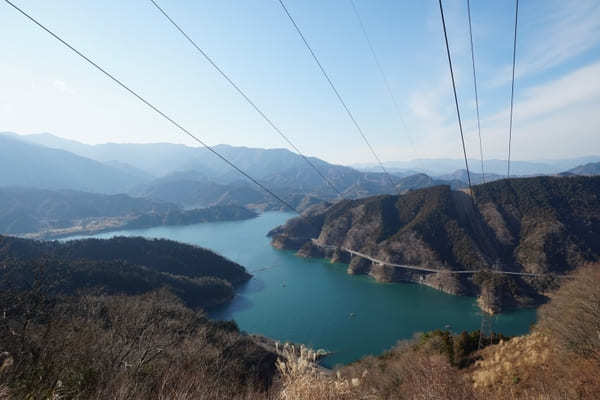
{"x": 315, "y": 302}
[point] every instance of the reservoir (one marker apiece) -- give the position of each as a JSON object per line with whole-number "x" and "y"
{"x": 315, "y": 302}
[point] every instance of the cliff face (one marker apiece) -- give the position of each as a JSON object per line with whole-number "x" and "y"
{"x": 536, "y": 225}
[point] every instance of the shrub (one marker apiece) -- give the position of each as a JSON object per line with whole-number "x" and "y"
{"x": 573, "y": 315}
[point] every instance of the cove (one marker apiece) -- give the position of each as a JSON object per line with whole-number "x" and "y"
{"x": 315, "y": 302}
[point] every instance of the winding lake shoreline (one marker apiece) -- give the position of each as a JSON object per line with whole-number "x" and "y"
{"x": 315, "y": 302}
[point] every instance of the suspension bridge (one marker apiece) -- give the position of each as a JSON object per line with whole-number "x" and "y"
{"x": 422, "y": 269}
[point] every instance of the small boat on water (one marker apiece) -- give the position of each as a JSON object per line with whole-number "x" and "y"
{"x": 351, "y": 315}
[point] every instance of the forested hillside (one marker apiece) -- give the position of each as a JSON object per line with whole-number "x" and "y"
{"x": 541, "y": 225}
{"x": 198, "y": 276}
{"x": 50, "y": 213}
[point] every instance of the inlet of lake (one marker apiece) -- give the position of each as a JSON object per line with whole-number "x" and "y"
{"x": 315, "y": 302}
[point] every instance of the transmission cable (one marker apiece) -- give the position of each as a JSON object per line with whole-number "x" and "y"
{"x": 153, "y": 107}
{"x": 512, "y": 89}
{"x": 476, "y": 94}
{"x": 382, "y": 73}
{"x": 245, "y": 96}
{"x": 337, "y": 93}
{"x": 462, "y": 138}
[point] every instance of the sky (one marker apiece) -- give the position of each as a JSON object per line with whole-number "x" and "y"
{"x": 46, "y": 88}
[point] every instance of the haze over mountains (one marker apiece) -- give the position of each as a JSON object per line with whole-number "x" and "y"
{"x": 26, "y": 164}
{"x": 171, "y": 178}
{"x": 278, "y": 167}
{"x": 437, "y": 167}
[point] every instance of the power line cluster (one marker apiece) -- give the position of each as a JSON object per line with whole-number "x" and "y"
{"x": 486, "y": 323}
{"x": 462, "y": 137}
{"x": 246, "y": 97}
{"x": 512, "y": 88}
{"x": 486, "y": 320}
{"x": 327, "y": 77}
{"x": 336, "y": 91}
{"x": 512, "y": 92}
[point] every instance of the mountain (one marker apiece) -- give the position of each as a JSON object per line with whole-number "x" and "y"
{"x": 543, "y": 225}
{"x": 199, "y": 276}
{"x": 92, "y": 318}
{"x": 421, "y": 181}
{"x": 280, "y": 169}
{"x": 586, "y": 169}
{"x": 156, "y": 159}
{"x": 26, "y": 164}
{"x": 443, "y": 166}
{"x": 189, "y": 190}
{"x": 47, "y": 213}
{"x": 476, "y": 178}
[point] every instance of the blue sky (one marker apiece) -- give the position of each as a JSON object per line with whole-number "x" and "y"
{"x": 45, "y": 88}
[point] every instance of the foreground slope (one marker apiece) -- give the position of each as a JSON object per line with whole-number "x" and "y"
{"x": 542, "y": 225}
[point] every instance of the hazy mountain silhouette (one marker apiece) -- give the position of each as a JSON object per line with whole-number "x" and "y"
{"x": 26, "y": 164}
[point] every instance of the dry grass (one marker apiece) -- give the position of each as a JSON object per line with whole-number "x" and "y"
{"x": 510, "y": 362}
{"x": 301, "y": 378}
{"x": 573, "y": 315}
{"x": 534, "y": 367}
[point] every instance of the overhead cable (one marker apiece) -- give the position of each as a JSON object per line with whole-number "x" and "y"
{"x": 337, "y": 93}
{"x": 153, "y": 107}
{"x": 476, "y": 94}
{"x": 512, "y": 89}
{"x": 462, "y": 138}
{"x": 251, "y": 102}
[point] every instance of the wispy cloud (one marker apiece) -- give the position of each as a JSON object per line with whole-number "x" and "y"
{"x": 558, "y": 117}
{"x": 579, "y": 86}
{"x": 550, "y": 33}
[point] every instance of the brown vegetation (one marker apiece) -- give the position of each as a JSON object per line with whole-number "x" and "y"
{"x": 572, "y": 318}
{"x": 126, "y": 347}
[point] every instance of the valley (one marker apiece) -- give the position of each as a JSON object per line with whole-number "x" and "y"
{"x": 316, "y": 303}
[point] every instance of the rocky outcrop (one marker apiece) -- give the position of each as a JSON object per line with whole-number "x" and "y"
{"x": 311, "y": 250}
{"x": 359, "y": 266}
{"x": 450, "y": 283}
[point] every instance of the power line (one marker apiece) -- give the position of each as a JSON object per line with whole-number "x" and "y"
{"x": 512, "y": 89}
{"x": 462, "y": 138}
{"x": 476, "y": 94}
{"x": 382, "y": 73}
{"x": 244, "y": 95}
{"x": 337, "y": 93}
{"x": 151, "y": 106}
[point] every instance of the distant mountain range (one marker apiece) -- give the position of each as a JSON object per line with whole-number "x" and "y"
{"x": 44, "y": 213}
{"x": 439, "y": 167}
{"x": 192, "y": 177}
{"x": 588, "y": 169}
{"x": 26, "y": 164}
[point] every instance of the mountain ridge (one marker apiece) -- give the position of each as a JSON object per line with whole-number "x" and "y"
{"x": 543, "y": 225}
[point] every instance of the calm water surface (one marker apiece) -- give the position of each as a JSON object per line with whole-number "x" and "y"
{"x": 311, "y": 301}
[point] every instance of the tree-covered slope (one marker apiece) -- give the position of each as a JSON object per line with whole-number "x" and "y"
{"x": 50, "y": 213}
{"x": 199, "y": 276}
{"x": 535, "y": 225}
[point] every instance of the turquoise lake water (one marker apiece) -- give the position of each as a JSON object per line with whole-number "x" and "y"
{"x": 310, "y": 301}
